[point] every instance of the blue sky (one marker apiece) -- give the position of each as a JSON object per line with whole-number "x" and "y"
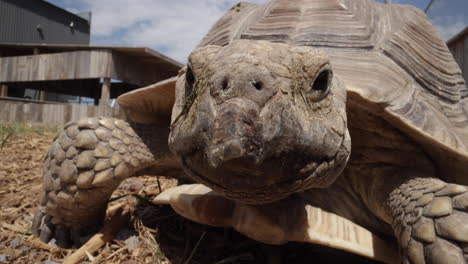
{"x": 175, "y": 27}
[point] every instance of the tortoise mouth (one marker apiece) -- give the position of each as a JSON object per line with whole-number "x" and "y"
{"x": 246, "y": 192}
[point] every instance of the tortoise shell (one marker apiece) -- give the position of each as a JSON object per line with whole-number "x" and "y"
{"x": 390, "y": 58}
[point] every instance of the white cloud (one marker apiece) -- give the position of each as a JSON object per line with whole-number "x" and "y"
{"x": 172, "y": 27}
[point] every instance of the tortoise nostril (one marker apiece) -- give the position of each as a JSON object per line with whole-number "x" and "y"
{"x": 258, "y": 85}
{"x": 225, "y": 85}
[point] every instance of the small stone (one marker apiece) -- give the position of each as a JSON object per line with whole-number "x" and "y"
{"x": 103, "y": 151}
{"x": 120, "y": 123}
{"x": 103, "y": 134}
{"x": 53, "y": 243}
{"x": 67, "y": 172}
{"x": 132, "y": 243}
{"x": 423, "y": 230}
{"x": 14, "y": 242}
{"x": 102, "y": 164}
{"x": 71, "y": 152}
{"x": 88, "y": 123}
{"x": 122, "y": 171}
{"x": 85, "y": 180}
{"x": 72, "y": 131}
{"x": 103, "y": 177}
{"x": 86, "y": 160}
{"x": 115, "y": 143}
{"x": 107, "y": 122}
{"x": 3, "y": 258}
{"x": 116, "y": 159}
{"x": 440, "y": 206}
{"x": 50, "y": 262}
{"x": 453, "y": 227}
{"x": 86, "y": 139}
{"x": 442, "y": 251}
{"x": 452, "y": 190}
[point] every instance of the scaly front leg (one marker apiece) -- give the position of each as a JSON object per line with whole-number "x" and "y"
{"x": 430, "y": 220}
{"x": 84, "y": 165}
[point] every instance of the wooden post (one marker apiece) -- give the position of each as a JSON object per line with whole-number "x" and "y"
{"x": 4, "y": 90}
{"x": 105, "y": 91}
{"x": 42, "y": 96}
{"x": 42, "y": 92}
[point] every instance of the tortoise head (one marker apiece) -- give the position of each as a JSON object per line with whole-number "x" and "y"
{"x": 257, "y": 121}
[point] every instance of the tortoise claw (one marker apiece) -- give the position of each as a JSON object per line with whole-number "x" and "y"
{"x": 58, "y": 235}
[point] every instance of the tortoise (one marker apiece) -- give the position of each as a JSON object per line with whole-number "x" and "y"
{"x": 349, "y": 112}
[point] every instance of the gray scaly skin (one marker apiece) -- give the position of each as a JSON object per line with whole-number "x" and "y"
{"x": 84, "y": 165}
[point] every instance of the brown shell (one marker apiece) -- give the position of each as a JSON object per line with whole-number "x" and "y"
{"x": 390, "y": 57}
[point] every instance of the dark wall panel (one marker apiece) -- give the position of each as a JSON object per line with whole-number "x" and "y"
{"x": 20, "y": 20}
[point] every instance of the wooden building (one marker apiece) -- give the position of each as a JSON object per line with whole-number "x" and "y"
{"x": 458, "y": 45}
{"x": 95, "y": 72}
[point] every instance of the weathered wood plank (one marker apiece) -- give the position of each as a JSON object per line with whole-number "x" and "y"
{"x": 57, "y": 66}
{"x": 3, "y": 90}
{"x": 51, "y": 113}
{"x": 105, "y": 91}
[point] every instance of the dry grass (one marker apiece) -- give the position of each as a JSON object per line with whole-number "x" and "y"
{"x": 155, "y": 234}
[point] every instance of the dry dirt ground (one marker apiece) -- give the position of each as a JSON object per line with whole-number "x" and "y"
{"x": 154, "y": 234}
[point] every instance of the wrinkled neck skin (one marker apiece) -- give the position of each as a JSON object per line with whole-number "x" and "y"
{"x": 257, "y": 121}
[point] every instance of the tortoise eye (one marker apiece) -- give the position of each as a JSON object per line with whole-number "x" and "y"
{"x": 189, "y": 81}
{"x": 320, "y": 86}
